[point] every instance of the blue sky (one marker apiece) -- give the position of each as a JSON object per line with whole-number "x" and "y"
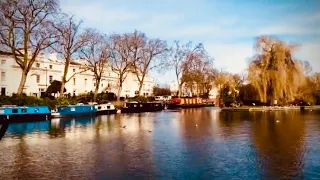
{"x": 227, "y": 28}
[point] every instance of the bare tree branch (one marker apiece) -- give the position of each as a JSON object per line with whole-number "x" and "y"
{"x": 96, "y": 54}
{"x": 26, "y": 31}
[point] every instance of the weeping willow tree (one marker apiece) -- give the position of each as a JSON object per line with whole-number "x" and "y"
{"x": 274, "y": 73}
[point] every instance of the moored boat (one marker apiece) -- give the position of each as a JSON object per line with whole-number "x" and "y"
{"x": 74, "y": 111}
{"x": 105, "y": 109}
{"x": 24, "y": 113}
{"x": 135, "y": 107}
{"x": 182, "y": 103}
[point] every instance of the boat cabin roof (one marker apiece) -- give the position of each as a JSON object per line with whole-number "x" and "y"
{"x": 15, "y": 106}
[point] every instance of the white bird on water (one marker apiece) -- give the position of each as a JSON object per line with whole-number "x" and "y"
{"x": 277, "y": 121}
{"x": 196, "y": 125}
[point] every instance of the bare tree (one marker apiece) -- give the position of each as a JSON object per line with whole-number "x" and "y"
{"x": 197, "y": 70}
{"x": 70, "y": 42}
{"x": 96, "y": 54}
{"x": 179, "y": 59}
{"x": 147, "y": 55}
{"x": 121, "y": 61}
{"x": 26, "y": 31}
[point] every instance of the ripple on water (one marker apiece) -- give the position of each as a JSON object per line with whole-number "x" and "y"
{"x": 166, "y": 145}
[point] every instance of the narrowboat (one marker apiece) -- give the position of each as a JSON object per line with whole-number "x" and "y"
{"x": 74, "y": 111}
{"x": 24, "y": 113}
{"x": 209, "y": 102}
{"x": 182, "y": 103}
{"x": 105, "y": 109}
{"x": 138, "y": 107}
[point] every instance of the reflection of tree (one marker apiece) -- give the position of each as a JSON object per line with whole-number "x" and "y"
{"x": 21, "y": 168}
{"x": 278, "y": 138}
{"x": 57, "y": 128}
{"x": 229, "y": 122}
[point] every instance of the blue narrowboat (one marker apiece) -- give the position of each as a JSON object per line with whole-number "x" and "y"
{"x": 74, "y": 111}
{"x": 24, "y": 113}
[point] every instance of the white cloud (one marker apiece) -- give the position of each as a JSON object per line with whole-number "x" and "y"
{"x": 288, "y": 30}
{"x": 310, "y": 52}
{"x": 209, "y": 31}
{"x": 98, "y": 14}
{"x": 230, "y": 57}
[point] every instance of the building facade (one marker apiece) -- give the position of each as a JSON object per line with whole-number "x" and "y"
{"x": 213, "y": 93}
{"x": 49, "y": 68}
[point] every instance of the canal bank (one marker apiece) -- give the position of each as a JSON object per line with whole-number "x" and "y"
{"x": 269, "y": 108}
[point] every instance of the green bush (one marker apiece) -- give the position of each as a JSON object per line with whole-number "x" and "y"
{"x": 227, "y": 96}
{"x": 62, "y": 101}
{"x": 139, "y": 99}
{"x": 24, "y": 100}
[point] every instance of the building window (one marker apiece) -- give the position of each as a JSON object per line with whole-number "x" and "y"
{"x": 3, "y": 61}
{"x": 74, "y": 70}
{"x": 108, "y": 85}
{"x": 50, "y": 79}
{"x": 50, "y": 66}
{"x": 3, "y": 76}
{"x": 38, "y": 78}
{"x": 85, "y": 82}
{"x": 101, "y": 85}
{"x": 37, "y": 64}
{"x": 74, "y": 81}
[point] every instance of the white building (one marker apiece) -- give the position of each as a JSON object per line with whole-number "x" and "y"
{"x": 186, "y": 92}
{"x": 48, "y": 68}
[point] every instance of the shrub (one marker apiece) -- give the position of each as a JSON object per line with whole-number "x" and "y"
{"x": 139, "y": 99}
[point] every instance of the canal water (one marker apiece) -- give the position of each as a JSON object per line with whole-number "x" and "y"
{"x": 188, "y": 144}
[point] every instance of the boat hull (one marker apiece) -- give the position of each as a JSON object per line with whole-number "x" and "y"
{"x": 106, "y": 112}
{"x": 142, "y": 107}
{"x": 139, "y": 110}
{"x": 73, "y": 115}
{"x": 24, "y": 118}
{"x": 74, "y": 111}
{"x": 185, "y": 106}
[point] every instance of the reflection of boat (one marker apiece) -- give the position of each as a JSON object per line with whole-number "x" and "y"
{"x": 24, "y": 113}
{"x": 74, "y": 111}
{"x": 135, "y": 107}
{"x": 104, "y": 109}
{"x": 28, "y": 127}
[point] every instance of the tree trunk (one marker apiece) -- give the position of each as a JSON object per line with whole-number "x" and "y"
{"x": 140, "y": 88}
{"x": 63, "y": 81}
{"x": 140, "y": 85}
{"x": 62, "y": 88}
{"x": 119, "y": 92}
{"x": 179, "y": 90}
{"x": 22, "y": 82}
{"x": 96, "y": 90}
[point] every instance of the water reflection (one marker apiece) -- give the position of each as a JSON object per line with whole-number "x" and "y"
{"x": 189, "y": 144}
{"x": 3, "y": 129}
{"x": 279, "y": 140}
